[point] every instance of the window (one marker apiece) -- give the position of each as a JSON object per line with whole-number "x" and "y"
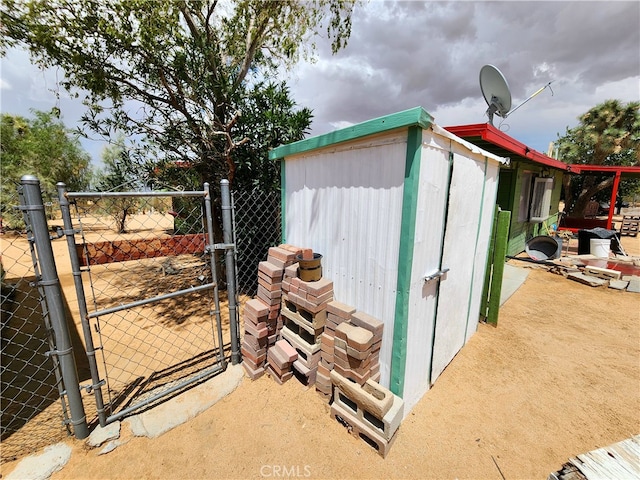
{"x": 525, "y": 197}
{"x": 541, "y": 200}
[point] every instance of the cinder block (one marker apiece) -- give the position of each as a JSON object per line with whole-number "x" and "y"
{"x": 307, "y": 334}
{"x": 358, "y": 429}
{"x": 287, "y": 349}
{"x": 270, "y": 270}
{"x": 371, "y": 396}
{"x": 385, "y": 426}
{"x": 311, "y": 320}
{"x": 253, "y": 373}
{"x": 299, "y": 343}
{"x": 340, "y": 310}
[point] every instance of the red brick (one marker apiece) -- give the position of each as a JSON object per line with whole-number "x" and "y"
{"x": 252, "y": 364}
{"x": 252, "y": 373}
{"x": 291, "y": 271}
{"x": 325, "y": 298}
{"x": 340, "y": 310}
{"x": 274, "y": 375}
{"x": 286, "y": 348}
{"x": 323, "y": 370}
{"x": 257, "y": 307}
{"x": 255, "y": 357}
{"x": 364, "y": 320}
{"x": 258, "y": 331}
{"x": 271, "y": 270}
{"x": 351, "y": 375}
{"x": 275, "y": 294}
{"x": 255, "y": 343}
{"x": 278, "y": 357}
{"x": 317, "y": 288}
{"x": 307, "y": 254}
{"x": 281, "y": 254}
{"x": 269, "y": 285}
{"x": 291, "y": 248}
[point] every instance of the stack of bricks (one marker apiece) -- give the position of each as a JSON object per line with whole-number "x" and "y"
{"x": 262, "y": 322}
{"x": 254, "y": 343}
{"x": 337, "y": 313}
{"x": 369, "y": 411}
{"x": 350, "y": 344}
{"x": 304, "y": 312}
{"x": 280, "y": 358}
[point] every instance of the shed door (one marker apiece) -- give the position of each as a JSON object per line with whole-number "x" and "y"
{"x": 464, "y": 254}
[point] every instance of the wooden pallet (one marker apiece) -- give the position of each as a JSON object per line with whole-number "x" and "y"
{"x": 630, "y": 225}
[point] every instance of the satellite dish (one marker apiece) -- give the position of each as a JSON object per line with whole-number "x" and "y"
{"x": 496, "y": 92}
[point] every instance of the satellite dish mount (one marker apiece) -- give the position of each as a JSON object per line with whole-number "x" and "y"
{"x": 496, "y": 92}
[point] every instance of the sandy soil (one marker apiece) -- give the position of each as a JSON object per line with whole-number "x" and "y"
{"x": 558, "y": 376}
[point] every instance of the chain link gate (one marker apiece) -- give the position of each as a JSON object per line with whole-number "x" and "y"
{"x": 146, "y": 280}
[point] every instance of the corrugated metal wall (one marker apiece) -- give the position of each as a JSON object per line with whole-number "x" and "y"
{"x": 345, "y": 203}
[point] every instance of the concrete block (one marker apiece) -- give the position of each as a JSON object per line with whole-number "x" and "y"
{"x": 299, "y": 314}
{"x": 385, "y": 426}
{"x": 587, "y": 279}
{"x": 308, "y": 334}
{"x": 618, "y": 284}
{"x": 358, "y": 429}
{"x": 300, "y": 344}
{"x": 634, "y": 284}
{"x": 371, "y": 396}
{"x": 605, "y": 273}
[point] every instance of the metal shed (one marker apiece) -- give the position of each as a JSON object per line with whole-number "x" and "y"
{"x": 402, "y": 212}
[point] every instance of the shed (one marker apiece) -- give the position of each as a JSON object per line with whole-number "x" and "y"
{"x": 530, "y": 184}
{"x": 402, "y": 212}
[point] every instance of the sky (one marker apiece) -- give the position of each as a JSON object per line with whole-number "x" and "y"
{"x": 429, "y": 54}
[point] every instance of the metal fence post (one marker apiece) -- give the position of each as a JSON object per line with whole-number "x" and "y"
{"x": 227, "y": 235}
{"x": 212, "y": 264}
{"x": 82, "y": 303}
{"x": 50, "y": 284}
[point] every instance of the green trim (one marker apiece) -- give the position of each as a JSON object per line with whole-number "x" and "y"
{"x": 475, "y": 248}
{"x": 408, "y": 118}
{"x": 405, "y": 258}
{"x": 283, "y": 202}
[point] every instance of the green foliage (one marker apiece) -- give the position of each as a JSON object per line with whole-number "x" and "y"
{"x": 43, "y": 147}
{"x": 122, "y": 172}
{"x": 186, "y": 63}
{"x": 608, "y": 134}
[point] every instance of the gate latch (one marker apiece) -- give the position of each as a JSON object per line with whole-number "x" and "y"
{"x": 429, "y": 277}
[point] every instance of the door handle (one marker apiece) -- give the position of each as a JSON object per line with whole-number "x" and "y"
{"x": 435, "y": 275}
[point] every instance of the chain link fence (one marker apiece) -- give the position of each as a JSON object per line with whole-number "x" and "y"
{"x": 130, "y": 250}
{"x": 32, "y": 413}
{"x": 151, "y": 293}
{"x": 258, "y": 226}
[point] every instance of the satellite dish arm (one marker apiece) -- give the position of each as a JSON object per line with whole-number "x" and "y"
{"x": 530, "y": 97}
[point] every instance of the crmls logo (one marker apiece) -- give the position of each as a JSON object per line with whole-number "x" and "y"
{"x": 283, "y": 471}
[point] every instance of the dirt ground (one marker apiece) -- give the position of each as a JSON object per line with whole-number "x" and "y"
{"x": 559, "y": 376}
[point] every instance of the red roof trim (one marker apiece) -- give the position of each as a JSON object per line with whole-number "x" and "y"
{"x": 577, "y": 168}
{"x": 491, "y": 134}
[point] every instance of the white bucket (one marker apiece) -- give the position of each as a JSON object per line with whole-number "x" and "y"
{"x": 600, "y": 247}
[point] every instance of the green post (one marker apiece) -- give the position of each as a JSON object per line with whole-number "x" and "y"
{"x": 500, "y": 254}
{"x": 484, "y": 306}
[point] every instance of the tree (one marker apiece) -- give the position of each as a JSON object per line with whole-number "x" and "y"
{"x": 40, "y": 146}
{"x": 608, "y": 134}
{"x": 122, "y": 172}
{"x": 185, "y": 63}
